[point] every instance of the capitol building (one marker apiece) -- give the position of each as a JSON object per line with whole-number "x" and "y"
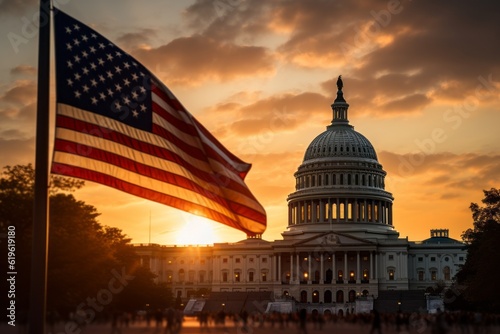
{"x": 340, "y": 245}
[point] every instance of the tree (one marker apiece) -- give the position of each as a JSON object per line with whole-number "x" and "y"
{"x": 84, "y": 256}
{"x": 481, "y": 271}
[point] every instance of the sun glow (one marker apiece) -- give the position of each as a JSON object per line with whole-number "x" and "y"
{"x": 197, "y": 231}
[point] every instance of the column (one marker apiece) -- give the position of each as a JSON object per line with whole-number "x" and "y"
{"x": 313, "y": 213}
{"x": 338, "y": 210}
{"x": 334, "y": 270}
{"x": 309, "y": 269}
{"x": 321, "y": 211}
{"x": 298, "y": 267}
{"x": 291, "y": 268}
{"x": 259, "y": 273}
{"x": 358, "y": 273}
{"x": 244, "y": 273}
{"x": 373, "y": 210}
{"x": 273, "y": 268}
{"x": 329, "y": 211}
{"x": 297, "y": 213}
{"x": 376, "y": 265}
{"x": 355, "y": 210}
{"x": 380, "y": 215}
{"x": 321, "y": 278}
{"x": 290, "y": 220}
{"x": 365, "y": 211}
{"x": 280, "y": 274}
{"x": 370, "y": 274}
{"x": 390, "y": 214}
{"x": 346, "y": 274}
{"x": 346, "y": 209}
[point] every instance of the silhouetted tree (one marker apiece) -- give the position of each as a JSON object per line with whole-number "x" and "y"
{"x": 86, "y": 259}
{"x": 479, "y": 275}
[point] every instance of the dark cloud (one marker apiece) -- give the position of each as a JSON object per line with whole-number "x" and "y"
{"x": 21, "y": 93}
{"x": 276, "y": 113}
{"x": 229, "y": 20}
{"x": 445, "y": 170}
{"x": 191, "y": 60}
{"x": 16, "y": 151}
{"x": 136, "y": 39}
{"x": 400, "y": 56}
{"x": 23, "y": 70}
{"x": 16, "y": 7}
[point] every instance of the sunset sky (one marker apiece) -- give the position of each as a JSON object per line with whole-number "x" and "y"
{"x": 422, "y": 79}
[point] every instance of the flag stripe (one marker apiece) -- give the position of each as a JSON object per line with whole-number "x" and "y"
{"x": 213, "y": 151}
{"x": 87, "y": 123}
{"x": 116, "y": 142}
{"x": 150, "y": 166}
{"x": 146, "y": 192}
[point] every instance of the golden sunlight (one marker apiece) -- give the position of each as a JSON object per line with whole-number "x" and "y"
{"x": 197, "y": 231}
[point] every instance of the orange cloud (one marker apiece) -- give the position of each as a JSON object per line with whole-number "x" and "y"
{"x": 195, "y": 59}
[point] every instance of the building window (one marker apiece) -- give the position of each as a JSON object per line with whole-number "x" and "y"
{"x": 181, "y": 275}
{"x": 182, "y": 261}
{"x": 446, "y": 272}
{"x": 366, "y": 274}
{"x": 224, "y": 260}
{"x": 191, "y": 275}
{"x": 202, "y": 277}
{"x": 250, "y": 260}
{"x": 237, "y": 277}
{"x": 238, "y": 260}
{"x": 202, "y": 261}
{"x": 433, "y": 259}
{"x": 420, "y": 259}
{"x": 264, "y": 277}
{"x": 391, "y": 274}
{"x": 460, "y": 258}
{"x": 433, "y": 275}
{"x": 224, "y": 277}
{"x": 391, "y": 257}
{"x": 250, "y": 276}
{"x": 264, "y": 260}
{"x": 340, "y": 275}
{"x": 420, "y": 275}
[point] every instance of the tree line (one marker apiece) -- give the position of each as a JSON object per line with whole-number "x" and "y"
{"x": 91, "y": 267}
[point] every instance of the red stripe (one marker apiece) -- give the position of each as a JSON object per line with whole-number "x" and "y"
{"x": 193, "y": 131}
{"x": 154, "y": 173}
{"x": 146, "y": 193}
{"x": 135, "y": 167}
{"x": 217, "y": 180}
{"x": 162, "y": 153}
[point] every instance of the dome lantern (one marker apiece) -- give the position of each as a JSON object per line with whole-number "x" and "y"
{"x": 340, "y": 106}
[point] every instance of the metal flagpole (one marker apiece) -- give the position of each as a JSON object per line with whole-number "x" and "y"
{"x": 38, "y": 284}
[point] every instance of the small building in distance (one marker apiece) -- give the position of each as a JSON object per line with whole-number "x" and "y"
{"x": 340, "y": 245}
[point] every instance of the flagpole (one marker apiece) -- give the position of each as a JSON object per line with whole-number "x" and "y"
{"x": 38, "y": 285}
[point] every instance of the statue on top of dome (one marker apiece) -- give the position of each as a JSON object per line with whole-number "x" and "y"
{"x": 340, "y": 84}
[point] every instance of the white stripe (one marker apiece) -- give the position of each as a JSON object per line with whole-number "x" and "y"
{"x": 145, "y": 136}
{"x": 155, "y": 162}
{"x": 186, "y": 117}
{"x": 140, "y": 180}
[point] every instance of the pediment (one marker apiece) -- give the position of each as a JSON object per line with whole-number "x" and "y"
{"x": 333, "y": 239}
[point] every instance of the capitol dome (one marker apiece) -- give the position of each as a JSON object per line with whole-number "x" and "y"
{"x": 341, "y": 142}
{"x": 340, "y": 185}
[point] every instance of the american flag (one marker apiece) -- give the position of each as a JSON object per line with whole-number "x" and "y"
{"x": 118, "y": 125}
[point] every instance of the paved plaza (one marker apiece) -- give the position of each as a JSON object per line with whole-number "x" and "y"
{"x": 191, "y": 326}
